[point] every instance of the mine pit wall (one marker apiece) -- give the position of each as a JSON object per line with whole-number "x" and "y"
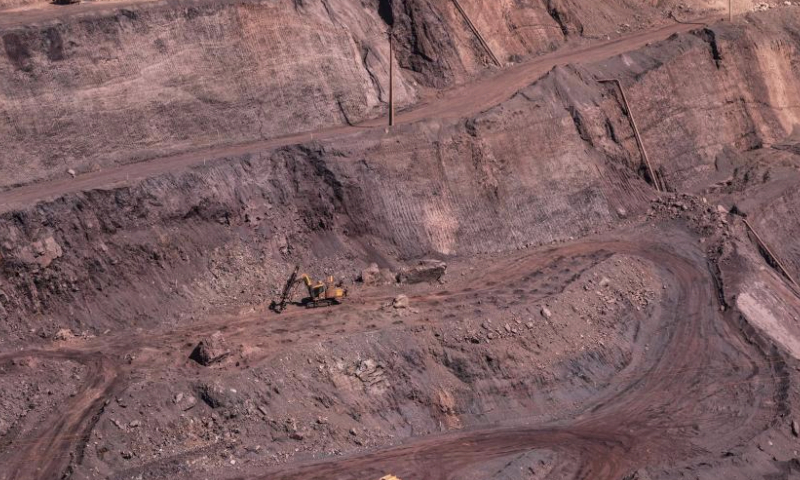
{"x": 91, "y": 92}
{"x": 777, "y": 223}
{"x": 700, "y": 99}
{"x": 95, "y": 90}
{"x": 167, "y": 249}
{"x": 695, "y": 95}
{"x": 496, "y": 182}
{"x": 557, "y": 160}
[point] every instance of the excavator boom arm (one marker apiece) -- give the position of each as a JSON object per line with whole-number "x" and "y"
{"x": 287, "y": 291}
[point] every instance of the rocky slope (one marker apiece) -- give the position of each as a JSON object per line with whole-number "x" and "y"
{"x": 558, "y": 160}
{"x": 149, "y": 78}
{"x": 743, "y": 93}
{"x": 145, "y": 270}
{"x": 146, "y": 81}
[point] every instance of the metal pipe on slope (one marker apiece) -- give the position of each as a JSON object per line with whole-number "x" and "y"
{"x": 636, "y": 132}
{"x": 477, "y": 33}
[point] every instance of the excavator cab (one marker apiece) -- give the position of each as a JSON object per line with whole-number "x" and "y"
{"x": 322, "y": 294}
{"x": 315, "y": 289}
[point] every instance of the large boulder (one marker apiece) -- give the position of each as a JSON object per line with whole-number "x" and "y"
{"x": 211, "y": 350}
{"x": 370, "y": 275}
{"x": 424, "y": 271}
{"x": 41, "y": 252}
{"x": 401, "y": 301}
{"x": 63, "y": 335}
{"x": 373, "y": 275}
{"x": 215, "y": 395}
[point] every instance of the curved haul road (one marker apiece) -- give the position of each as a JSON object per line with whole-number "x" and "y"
{"x": 687, "y": 361}
{"x": 666, "y": 409}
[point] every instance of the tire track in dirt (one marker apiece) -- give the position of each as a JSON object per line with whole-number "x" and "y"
{"x": 46, "y": 452}
{"x": 630, "y": 424}
{"x": 50, "y": 450}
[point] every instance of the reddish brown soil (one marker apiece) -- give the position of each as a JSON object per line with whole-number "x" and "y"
{"x": 688, "y": 358}
{"x": 588, "y": 326}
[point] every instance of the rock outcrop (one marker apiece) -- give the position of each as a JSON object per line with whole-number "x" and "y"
{"x": 211, "y": 350}
{"x": 424, "y": 271}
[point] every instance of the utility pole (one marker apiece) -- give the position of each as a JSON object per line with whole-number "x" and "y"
{"x": 730, "y": 10}
{"x": 391, "y": 78}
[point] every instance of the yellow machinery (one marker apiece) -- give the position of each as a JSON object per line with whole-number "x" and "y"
{"x": 389, "y": 477}
{"x": 320, "y": 294}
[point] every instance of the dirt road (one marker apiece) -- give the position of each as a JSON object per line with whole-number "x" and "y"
{"x": 687, "y": 360}
{"x": 45, "y": 452}
{"x": 636, "y": 422}
{"x": 453, "y": 104}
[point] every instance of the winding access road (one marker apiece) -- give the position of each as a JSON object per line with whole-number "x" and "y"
{"x": 697, "y": 359}
{"x": 688, "y": 359}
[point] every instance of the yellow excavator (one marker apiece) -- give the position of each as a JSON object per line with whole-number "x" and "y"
{"x": 320, "y": 294}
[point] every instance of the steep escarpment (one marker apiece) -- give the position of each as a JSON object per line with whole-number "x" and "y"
{"x": 557, "y": 160}
{"x": 114, "y": 85}
{"x": 725, "y": 87}
{"x": 97, "y": 90}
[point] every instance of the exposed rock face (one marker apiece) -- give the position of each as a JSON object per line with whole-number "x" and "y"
{"x": 216, "y": 73}
{"x": 179, "y": 79}
{"x": 211, "y": 350}
{"x": 558, "y": 160}
{"x": 425, "y": 271}
{"x": 748, "y": 95}
{"x": 41, "y": 252}
{"x": 767, "y": 182}
{"x": 426, "y": 46}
